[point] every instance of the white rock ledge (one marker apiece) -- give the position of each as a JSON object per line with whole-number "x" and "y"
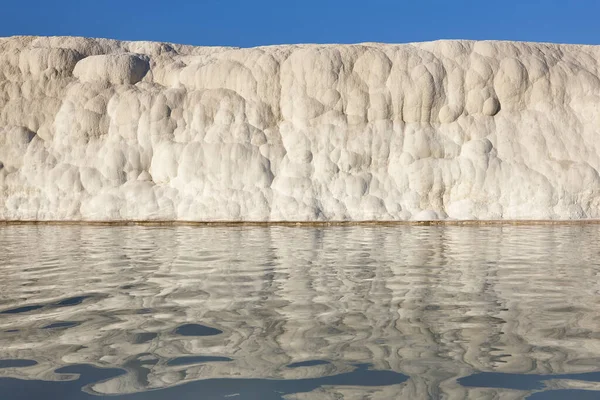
{"x": 99, "y": 130}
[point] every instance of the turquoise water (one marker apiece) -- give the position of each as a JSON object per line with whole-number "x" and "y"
{"x": 299, "y": 313}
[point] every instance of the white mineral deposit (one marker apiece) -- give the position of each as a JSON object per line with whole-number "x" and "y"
{"x": 102, "y": 130}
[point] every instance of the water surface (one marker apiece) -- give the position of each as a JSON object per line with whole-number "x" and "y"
{"x": 357, "y": 312}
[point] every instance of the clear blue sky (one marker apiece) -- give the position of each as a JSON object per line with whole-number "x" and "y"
{"x": 250, "y": 23}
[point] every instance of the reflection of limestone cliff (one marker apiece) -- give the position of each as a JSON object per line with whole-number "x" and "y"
{"x": 98, "y": 129}
{"x": 433, "y": 303}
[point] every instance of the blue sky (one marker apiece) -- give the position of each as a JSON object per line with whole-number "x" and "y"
{"x": 261, "y": 22}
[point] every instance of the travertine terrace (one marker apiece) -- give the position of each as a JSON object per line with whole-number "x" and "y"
{"x": 101, "y": 130}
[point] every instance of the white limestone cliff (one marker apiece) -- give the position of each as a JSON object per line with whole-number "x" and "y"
{"x": 96, "y": 129}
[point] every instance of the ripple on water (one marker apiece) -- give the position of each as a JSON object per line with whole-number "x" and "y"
{"x": 61, "y": 325}
{"x": 310, "y": 363}
{"x": 17, "y": 363}
{"x": 526, "y": 382}
{"x": 144, "y": 337}
{"x": 23, "y": 309}
{"x": 188, "y": 360}
{"x": 72, "y": 301}
{"x": 69, "y": 302}
{"x": 197, "y": 330}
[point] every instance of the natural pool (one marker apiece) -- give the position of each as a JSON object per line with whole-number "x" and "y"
{"x": 347, "y": 312}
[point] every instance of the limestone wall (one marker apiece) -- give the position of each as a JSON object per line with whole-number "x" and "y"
{"x": 95, "y": 129}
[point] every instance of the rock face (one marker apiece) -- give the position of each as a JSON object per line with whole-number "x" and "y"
{"x": 95, "y": 129}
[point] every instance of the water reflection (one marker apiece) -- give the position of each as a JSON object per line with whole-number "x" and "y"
{"x": 303, "y": 313}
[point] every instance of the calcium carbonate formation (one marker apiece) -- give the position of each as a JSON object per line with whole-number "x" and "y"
{"x": 96, "y": 129}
